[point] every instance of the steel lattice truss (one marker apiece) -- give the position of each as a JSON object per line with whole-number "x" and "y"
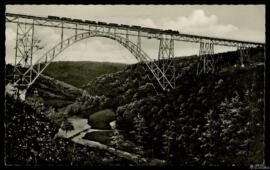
{"x": 163, "y": 71}
{"x": 166, "y": 60}
{"x": 243, "y": 54}
{"x": 24, "y": 51}
{"x": 206, "y": 62}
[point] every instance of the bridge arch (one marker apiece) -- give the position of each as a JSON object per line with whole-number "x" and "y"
{"x": 42, "y": 63}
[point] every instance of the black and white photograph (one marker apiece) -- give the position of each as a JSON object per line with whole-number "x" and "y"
{"x": 135, "y": 85}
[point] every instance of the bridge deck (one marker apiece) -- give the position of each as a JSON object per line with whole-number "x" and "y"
{"x": 124, "y": 30}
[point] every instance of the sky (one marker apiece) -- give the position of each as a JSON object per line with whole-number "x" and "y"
{"x": 243, "y": 22}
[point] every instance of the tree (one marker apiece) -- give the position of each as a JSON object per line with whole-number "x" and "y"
{"x": 168, "y": 139}
{"x": 209, "y": 139}
{"x": 67, "y": 126}
{"x": 253, "y": 108}
{"x": 140, "y": 133}
{"x": 116, "y": 140}
{"x": 233, "y": 129}
{"x": 182, "y": 136}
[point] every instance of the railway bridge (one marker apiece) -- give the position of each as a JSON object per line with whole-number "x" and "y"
{"x": 26, "y": 71}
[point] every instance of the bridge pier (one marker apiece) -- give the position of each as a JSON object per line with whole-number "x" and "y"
{"x": 206, "y": 61}
{"x": 166, "y": 61}
{"x": 23, "y": 52}
{"x": 243, "y": 53}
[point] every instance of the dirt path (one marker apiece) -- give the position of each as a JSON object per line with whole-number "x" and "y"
{"x": 79, "y": 139}
{"x": 79, "y": 125}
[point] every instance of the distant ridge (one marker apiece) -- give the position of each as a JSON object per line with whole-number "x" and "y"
{"x": 78, "y": 73}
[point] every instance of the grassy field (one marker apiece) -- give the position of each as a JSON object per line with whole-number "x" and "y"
{"x": 81, "y": 72}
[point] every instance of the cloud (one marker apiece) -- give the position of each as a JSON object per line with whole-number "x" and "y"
{"x": 146, "y": 22}
{"x": 199, "y": 23}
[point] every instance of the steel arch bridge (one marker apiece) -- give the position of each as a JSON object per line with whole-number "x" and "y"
{"x": 51, "y": 54}
{"x": 163, "y": 72}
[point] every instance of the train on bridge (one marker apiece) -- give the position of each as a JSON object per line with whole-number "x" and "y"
{"x": 151, "y": 30}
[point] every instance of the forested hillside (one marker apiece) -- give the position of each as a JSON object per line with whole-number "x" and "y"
{"x": 207, "y": 119}
{"x": 80, "y": 72}
{"x": 210, "y": 119}
{"x": 30, "y": 140}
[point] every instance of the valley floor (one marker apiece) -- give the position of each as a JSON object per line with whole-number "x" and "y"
{"x": 81, "y": 128}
